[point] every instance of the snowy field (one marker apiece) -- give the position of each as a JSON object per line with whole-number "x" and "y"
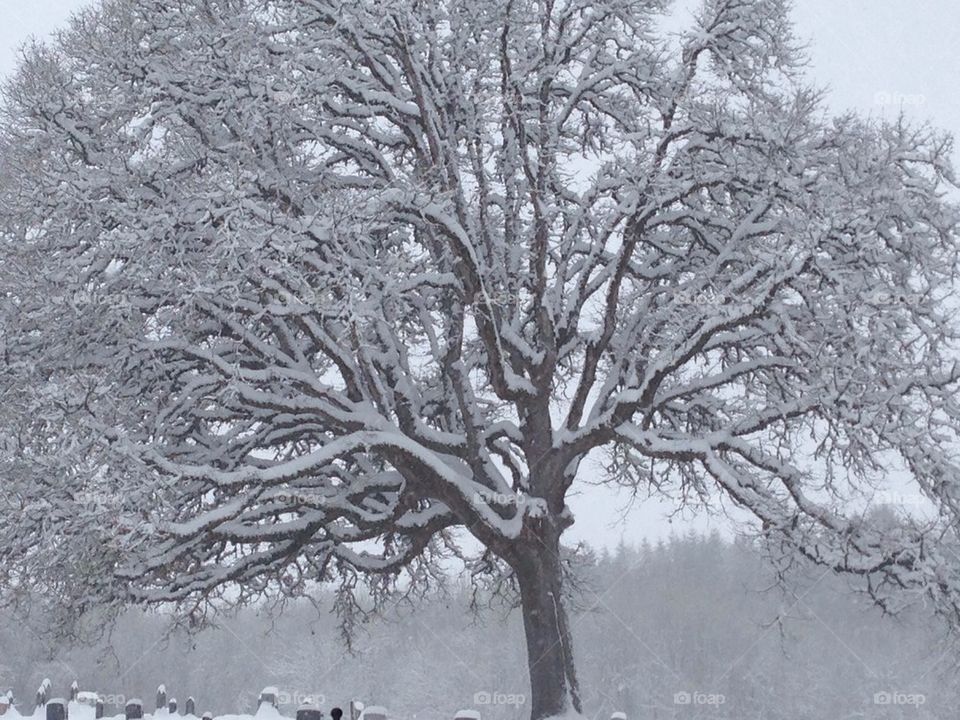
{"x": 82, "y": 711}
{"x": 85, "y": 708}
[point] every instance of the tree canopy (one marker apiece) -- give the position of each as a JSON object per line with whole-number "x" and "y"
{"x": 302, "y": 290}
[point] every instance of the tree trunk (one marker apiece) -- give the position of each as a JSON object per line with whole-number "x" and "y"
{"x": 553, "y": 682}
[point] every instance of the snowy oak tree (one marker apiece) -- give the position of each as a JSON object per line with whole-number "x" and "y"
{"x": 306, "y": 289}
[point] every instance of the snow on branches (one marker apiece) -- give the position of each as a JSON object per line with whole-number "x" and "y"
{"x": 314, "y": 284}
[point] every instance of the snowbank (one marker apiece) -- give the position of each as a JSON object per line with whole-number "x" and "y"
{"x": 81, "y": 711}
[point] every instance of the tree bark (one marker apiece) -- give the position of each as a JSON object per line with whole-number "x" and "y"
{"x": 553, "y": 681}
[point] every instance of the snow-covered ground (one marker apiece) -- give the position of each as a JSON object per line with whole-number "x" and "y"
{"x": 81, "y": 711}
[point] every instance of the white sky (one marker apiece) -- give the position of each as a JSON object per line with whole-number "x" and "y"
{"x": 875, "y": 56}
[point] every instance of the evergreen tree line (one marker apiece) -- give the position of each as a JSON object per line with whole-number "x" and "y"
{"x": 692, "y": 627}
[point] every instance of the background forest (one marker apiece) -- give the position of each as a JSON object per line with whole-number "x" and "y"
{"x": 693, "y": 627}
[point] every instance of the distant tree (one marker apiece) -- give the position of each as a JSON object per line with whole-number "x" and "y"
{"x": 296, "y": 290}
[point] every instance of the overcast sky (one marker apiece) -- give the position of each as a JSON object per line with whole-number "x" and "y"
{"x": 874, "y": 56}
